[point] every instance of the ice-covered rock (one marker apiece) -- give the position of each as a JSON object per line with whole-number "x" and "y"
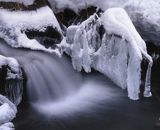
{"x": 111, "y": 45}
{"x": 116, "y": 21}
{"x": 7, "y": 113}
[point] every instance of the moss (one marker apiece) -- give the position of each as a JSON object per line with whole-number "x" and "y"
{"x": 20, "y": 6}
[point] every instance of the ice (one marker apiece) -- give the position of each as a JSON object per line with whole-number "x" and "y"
{"x": 117, "y": 53}
{"x": 117, "y": 21}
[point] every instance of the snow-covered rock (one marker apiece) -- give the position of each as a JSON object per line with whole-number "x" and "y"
{"x": 143, "y": 13}
{"x": 7, "y": 113}
{"x": 13, "y": 25}
{"x": 14, "y": 82}
{"x": 145, "y": 16}
{"x": 11, "y": 62}
{"x": 117, "y": 51}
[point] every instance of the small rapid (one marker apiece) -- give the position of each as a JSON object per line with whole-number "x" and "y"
{"x": 53, "y": 87}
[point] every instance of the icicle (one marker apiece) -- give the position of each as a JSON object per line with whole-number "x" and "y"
{"x": 147, "y": 90}
{"x": 14, "y": 90}
{"x": 77, "y": 51}
{"x": 86, "y": 60}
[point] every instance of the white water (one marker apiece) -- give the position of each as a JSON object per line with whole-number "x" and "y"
{"x": 53, "y": 87}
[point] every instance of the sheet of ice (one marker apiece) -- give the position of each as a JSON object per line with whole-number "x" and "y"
{"x": 13, "y": 25}
{"x": 117, "y": 53}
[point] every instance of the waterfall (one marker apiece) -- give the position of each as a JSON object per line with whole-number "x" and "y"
{"x": 53, "y": 87}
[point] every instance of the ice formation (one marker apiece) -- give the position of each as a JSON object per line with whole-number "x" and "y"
{"x": 118, "y": 52}
{"x": 7, "y": 112}
{"x": 13, "y": 25}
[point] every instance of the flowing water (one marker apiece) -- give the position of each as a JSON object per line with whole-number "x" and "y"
{"x": 53, "y": 87}
{"x": 62, "y": 99}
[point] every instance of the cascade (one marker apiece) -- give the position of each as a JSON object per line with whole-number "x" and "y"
{"x": 52, "y": 84}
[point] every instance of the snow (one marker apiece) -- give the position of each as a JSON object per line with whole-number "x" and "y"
{"x": 11, "y": 62}
{"x": 148, "y": 9}
{"x": 26, "y": 2}
{"x": 14, "y": 84}
{"x": 7, "y": 112}
{"x": 13, "y": 25}
{"x": 118, "y": 54}
{"x": 145, "y": 16}
{"x": 7, "y": 126}
{"x": 37, "y": 19}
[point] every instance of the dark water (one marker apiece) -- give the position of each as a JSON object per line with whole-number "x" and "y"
{"x": 116, "y": 113}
